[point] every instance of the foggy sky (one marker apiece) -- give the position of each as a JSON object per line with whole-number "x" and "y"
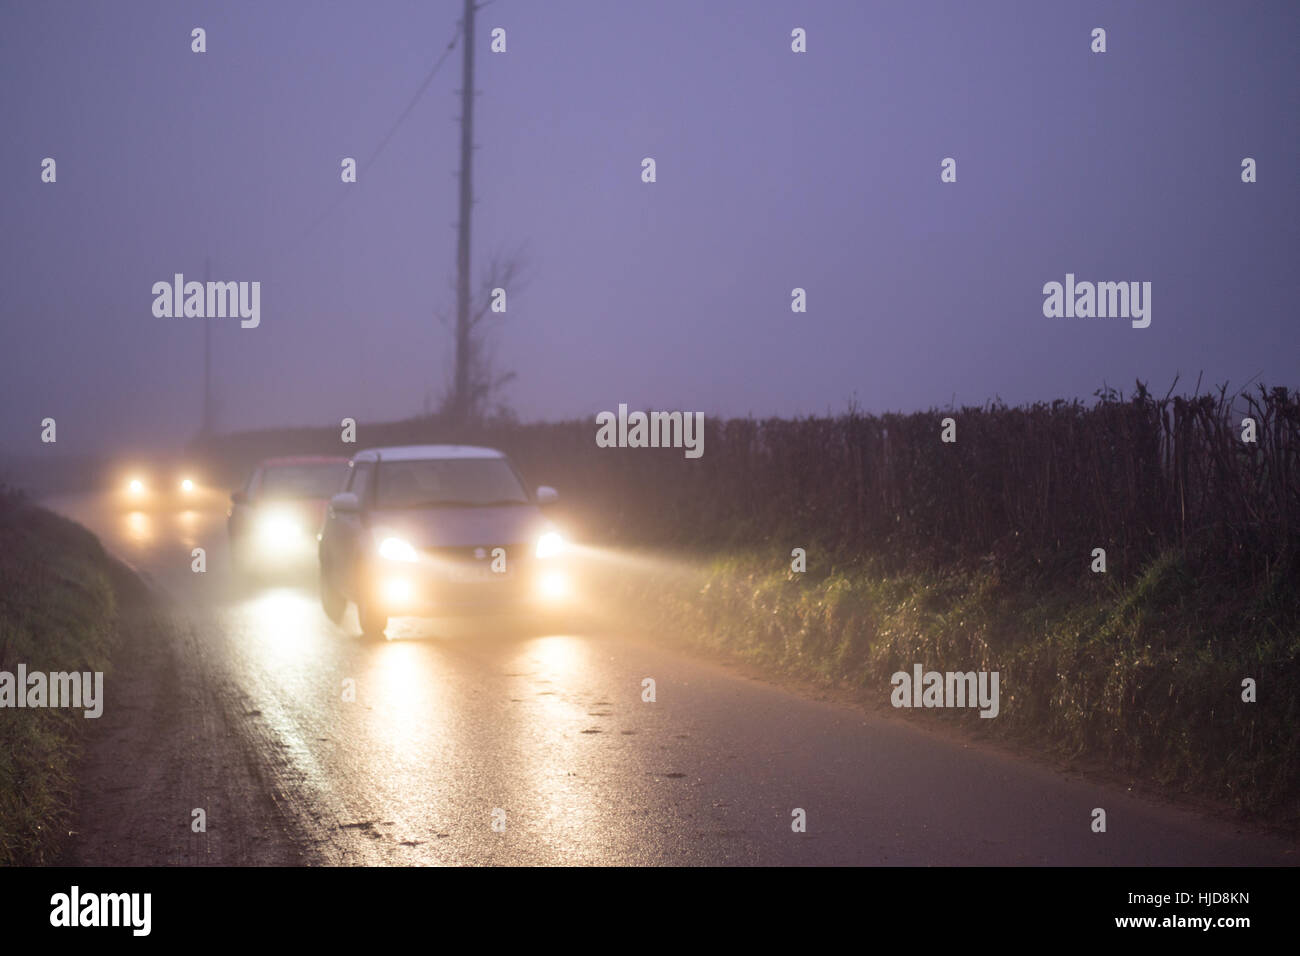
{"x": 775, "y": 170}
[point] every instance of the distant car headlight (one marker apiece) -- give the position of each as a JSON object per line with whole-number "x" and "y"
{"x": 136, "y": 487}
{"x": 550, "y": 544}
{"x": 187, "y": 485}
{"x": 395, "y": 549}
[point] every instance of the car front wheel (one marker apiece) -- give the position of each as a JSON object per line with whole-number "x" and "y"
{"x": 332, "y": 601}
{"x": 373, "y": 621}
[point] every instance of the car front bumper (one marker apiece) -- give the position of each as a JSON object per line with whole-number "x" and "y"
{"x": 401, "y": 589}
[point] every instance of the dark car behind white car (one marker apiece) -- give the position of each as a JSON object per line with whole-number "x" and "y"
{"x": 275, "y": 518}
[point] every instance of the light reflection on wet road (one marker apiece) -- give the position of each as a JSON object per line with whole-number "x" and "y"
{"x": 453, "y": 720}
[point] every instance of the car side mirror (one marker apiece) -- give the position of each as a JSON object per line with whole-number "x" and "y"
{"x": 547, "y": 495}
{"x": 239, "y": 497}
{"x": 345, "y": 503}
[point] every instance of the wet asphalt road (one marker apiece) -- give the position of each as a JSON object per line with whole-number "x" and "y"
{"x": 234, "y": 704}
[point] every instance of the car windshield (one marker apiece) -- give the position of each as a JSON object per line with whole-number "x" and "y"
{"x": 304, "y": 480}
{"x": 448, "y": 483}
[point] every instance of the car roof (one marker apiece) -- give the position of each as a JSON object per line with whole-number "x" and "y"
{"x": 301, "y": 460}
{"x": 426, "y": 453}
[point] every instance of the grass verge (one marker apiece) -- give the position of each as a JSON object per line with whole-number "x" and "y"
{"x": 61, "y": 598}
{"x": 1142, "y": 678}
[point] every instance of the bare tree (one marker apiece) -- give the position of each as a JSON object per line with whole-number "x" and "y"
{"x": 484, "y": 381}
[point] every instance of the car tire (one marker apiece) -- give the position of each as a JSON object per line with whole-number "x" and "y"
{"x": 372, "y": 620}
{"x": 332, "y": 601}
{"x": 242, "y": 569}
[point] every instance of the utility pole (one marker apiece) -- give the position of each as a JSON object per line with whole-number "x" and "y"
{"x": 461, "y": 400}
{"x": 206, "y": 427}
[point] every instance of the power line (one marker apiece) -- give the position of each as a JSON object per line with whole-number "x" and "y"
{"x": 415, "y": 98}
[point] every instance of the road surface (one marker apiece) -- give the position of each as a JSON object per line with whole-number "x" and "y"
{"x": 232, "y": 704}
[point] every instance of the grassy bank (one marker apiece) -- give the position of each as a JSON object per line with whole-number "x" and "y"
{"x": 1141, "y": 675}
{"x": 61, "y": 597}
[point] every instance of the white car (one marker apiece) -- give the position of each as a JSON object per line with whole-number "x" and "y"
{"x": 425, "y": 530}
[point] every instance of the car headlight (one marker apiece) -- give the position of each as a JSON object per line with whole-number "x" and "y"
{"x": 549, "y": 544}
{"x": 395, "y": 549}
{"x": 276, "y": 527}
{"x": 135, "y": 486}
{"x": 187, "y": 485}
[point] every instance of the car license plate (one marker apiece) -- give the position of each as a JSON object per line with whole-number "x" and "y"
{"x": 462, "y": 573}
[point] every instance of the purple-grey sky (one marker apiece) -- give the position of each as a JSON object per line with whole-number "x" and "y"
{"x": 775, "y": 170}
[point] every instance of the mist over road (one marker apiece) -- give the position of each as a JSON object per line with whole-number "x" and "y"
{"x": 236, "y": 707}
